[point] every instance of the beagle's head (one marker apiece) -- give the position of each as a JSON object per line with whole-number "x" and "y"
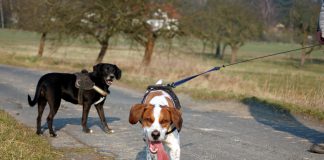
{"x": 156, "y": 119}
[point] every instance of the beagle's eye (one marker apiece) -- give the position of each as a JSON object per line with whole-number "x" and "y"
{"x": 164, "y": 121}
{"x": 148, "y": 120}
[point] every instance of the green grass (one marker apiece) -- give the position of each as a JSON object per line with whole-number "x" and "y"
{"x": 19, "y": 142}
{"x": 279, "y": 79}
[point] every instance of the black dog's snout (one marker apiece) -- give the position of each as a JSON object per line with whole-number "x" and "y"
{"x": 155, "y": 134}
{"x": 111, "y": 77}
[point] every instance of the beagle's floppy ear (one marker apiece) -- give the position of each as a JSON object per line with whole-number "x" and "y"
{"x": 176, "y": 118}
{"x": 136, "y": 113}
{"x": 118, "y": 72}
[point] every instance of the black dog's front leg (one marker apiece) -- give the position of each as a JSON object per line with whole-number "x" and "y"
{"x": 85, "y": 113}
{"x": 101, "y": 114}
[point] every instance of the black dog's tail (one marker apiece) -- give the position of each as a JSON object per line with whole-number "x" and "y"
{"x": 37, "y": 94}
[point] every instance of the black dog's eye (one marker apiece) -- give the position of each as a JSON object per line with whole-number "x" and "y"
{"x": 109, "y": 70}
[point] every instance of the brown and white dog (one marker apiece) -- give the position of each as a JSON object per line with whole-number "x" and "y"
{"x": 158, "y": 116}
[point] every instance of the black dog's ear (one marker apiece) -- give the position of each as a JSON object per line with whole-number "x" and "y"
{"x": 84, "y": 71}
{"x": 118, "y": 73}
{"x": 96, "y": 69}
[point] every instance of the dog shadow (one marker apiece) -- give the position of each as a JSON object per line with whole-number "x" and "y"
{"x": 281, "y": 120}
{"x": 142, "y": 154}
{"x": 60, "y": 123}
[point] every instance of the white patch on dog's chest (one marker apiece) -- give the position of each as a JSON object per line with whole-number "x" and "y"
{"x": 100, "y": 100}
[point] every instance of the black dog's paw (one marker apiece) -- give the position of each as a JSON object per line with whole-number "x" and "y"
{"x": 109, "y": 131}
{"x": 39, "y": 132}
{"x": 53, "y": 134}
{"x": 87, "y": 130}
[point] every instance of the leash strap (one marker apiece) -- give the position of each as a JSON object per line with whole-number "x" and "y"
{"x": 177, "y": 83}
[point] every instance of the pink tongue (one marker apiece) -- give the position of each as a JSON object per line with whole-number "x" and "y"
{"x": 157, "y": 148}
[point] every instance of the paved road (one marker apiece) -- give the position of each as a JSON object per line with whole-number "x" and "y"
{"x": 264, "y": 133}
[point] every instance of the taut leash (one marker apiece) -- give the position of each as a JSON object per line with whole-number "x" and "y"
{"x": 177, "y": 83}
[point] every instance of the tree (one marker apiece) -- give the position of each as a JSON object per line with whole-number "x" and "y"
{"x": 203, "y": 25}
{"x": 153, "y": 20}
{"x": 39, "y": 16}
{"x": 227, "y": 22}
{"x": 303, "y": 20}
{"x": 239, "y": 24}
{"x": 98, "y": 19}
{"x": 7, "y": 15}
{"x": 267, "y": 9}
{"x": 1, "y": 14}
{"x": 283, "y": 8}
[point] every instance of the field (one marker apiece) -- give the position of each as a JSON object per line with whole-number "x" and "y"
{"x": 278, "y": 81}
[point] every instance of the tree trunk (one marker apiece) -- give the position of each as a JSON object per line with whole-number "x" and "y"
{"x": 234, "y": 54}
{"x": 218, "y": 50}
{"x": 303, "y": 54}
{"x": 204, "y": 47}
{"x": 1, "y": 14}
{"x": 223, "y": 51}
{"x": 149, "y": 46}
{"x": 103, "y": 51}
{"x": 42, "y": 44}
{"x": 303, "y": 58}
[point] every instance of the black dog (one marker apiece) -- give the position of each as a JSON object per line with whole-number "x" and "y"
{"x": 53, "y": 87}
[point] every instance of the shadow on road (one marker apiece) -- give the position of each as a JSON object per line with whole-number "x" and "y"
{"x": 142, "y": 154}
{"x": 281, "y": 120}
{"x": 60, "y": 123}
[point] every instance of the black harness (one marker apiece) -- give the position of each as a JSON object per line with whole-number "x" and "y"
{"x": 83, "y": 82}
{"x": 168, "y": 90}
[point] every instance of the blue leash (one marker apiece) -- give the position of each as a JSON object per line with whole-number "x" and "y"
{"x": 177, "y": 83}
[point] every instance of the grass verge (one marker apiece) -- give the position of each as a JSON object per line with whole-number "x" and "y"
{"x": 20, "y": 142}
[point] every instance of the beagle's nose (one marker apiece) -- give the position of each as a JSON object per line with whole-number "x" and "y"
{"x": 155, "y": 134}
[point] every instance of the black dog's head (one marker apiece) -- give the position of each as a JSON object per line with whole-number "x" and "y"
{"x": 108, "y": 72}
